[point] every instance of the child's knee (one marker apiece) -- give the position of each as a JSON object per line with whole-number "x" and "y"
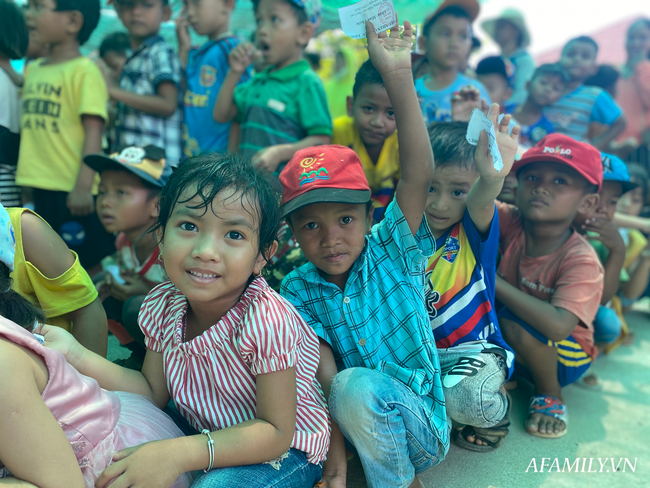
{"x": 607, "y": 325}
{"x": 351, "y": 396}
{"x": 478, "y": 400}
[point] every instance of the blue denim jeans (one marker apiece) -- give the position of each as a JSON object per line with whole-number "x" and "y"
{"x": 292, "y": 471}
{"x": 387, "y": 424}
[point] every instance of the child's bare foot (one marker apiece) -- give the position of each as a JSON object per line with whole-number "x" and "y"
{"x": 547, "y": 417}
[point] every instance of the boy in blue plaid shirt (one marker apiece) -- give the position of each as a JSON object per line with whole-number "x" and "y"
{"x": 148, "y": 97}
{"x": 364, "y": 294}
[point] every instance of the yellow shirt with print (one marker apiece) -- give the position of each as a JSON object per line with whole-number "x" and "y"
{"x": 383, "y": 176}
{"x": 55, "y": 97}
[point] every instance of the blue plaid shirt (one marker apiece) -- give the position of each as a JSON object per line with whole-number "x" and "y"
{"x": 153, "y": 62}
{"x": 380, "y": 320}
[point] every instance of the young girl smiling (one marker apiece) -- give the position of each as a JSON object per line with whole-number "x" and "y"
{"x": 236, "y": 358}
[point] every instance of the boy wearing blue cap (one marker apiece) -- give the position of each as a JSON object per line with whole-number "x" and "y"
{"x": 127, "y": 205}
{"x": 608, "y": 243}
{"x": 282, "y": 109}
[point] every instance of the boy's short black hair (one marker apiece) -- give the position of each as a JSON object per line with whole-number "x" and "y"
{"x": 605, "y": 78}
{"x": 492, "y": 65}
{"x": 450, "y": 146}
{"x": 367, "y": 75}
{"x": 14, "y": 36}
{"x": 301, "y": 14}
{"x": 585, "y": 39}
{"x": 207, "y": 175}
{"x": 117, "y": 41}
{"x": 164, "y": 2}
{"x": 453, "y": 10}
{"x": 91, "y": 11}
{"x": 552, "y": 69}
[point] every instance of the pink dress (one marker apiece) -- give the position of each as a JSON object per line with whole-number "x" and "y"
{"x": 97, "y": 422}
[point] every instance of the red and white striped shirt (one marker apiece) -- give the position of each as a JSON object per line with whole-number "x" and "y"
{"x": 212, "y": 377}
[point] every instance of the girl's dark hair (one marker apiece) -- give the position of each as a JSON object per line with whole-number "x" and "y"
{"x": 639, "y": 175}
{"x": 14, "y": 306}
{"x": 207, "y": 175}
{"x": 14, "y": 36}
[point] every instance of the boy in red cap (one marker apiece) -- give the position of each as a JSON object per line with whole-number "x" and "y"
{"x": 550, "y": 279}
{"x": 363, "y": 291}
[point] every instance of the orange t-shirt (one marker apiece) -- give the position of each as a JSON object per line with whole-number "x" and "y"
{"x": 570, "y": 278}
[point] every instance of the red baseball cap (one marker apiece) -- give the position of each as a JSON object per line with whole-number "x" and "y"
{"x": 323, "y": 174}
{"x": 561, "y": 149}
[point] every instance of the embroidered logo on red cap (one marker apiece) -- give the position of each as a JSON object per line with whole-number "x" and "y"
{"x": 317, "y": 172}
{"x": 559, "y": 151}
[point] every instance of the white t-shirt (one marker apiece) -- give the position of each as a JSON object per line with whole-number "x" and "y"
{"x": 9, "y": 103}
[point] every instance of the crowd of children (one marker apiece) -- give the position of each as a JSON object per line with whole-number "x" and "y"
{"x": 292, "y": 288}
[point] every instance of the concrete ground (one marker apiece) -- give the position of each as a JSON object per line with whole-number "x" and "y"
{"x": 612, "y": 423}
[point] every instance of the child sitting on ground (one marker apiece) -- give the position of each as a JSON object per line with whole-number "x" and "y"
{"x": 283, "y": 108}
{"x": 362, "y": 291}
{"x": 369, "y": 130}
{"x": 497, "y": 75}
{"x": 545, "y": 88}
{"x": 205, "y": 71}
{"x": 263, "y": 416}
{"x": 581, "y": 104}
{"x": 127, "y": 205}
{"x": 550, "y": 279}
{"x": 474, "y": 358}
{"x": 50, "y": 276}
{"x": 608, "y": 243}
{"x": 447, "y": 39}
{"x": 64, "y": 112}
{"x": 637, "y": 254}
{"x": 148, "y": 95}
{"x": 64, "y": 428}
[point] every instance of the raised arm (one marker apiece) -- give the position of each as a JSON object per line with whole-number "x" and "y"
{"x": 480, "y": 199}
{"x": 239, "y": 59}
{"x": 392, "y": 58}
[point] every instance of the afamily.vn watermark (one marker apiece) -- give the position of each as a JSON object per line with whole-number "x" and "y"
{"x": 580, "y": 465}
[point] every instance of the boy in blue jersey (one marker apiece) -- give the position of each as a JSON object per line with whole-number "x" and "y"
{"x": 447, "y": 39}
{"x": 205, "y": 70}
{"x": 581, "y": 104}
{"x": 460, "y": 276}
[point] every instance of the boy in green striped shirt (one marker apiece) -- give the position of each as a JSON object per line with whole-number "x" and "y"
{"x": 283, "y": 108}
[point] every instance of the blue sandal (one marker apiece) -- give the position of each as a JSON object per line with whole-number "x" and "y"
{"x": 551, "y": 407}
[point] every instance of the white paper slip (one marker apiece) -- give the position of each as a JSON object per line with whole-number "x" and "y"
{"x": 477, "y": 123}
{"x": 353, "y": 17}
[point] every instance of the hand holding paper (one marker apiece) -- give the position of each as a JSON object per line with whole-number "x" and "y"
{"x": 390, "y": 54}
{"x": 496, "y": 149}
{"x": 381, "y": 13}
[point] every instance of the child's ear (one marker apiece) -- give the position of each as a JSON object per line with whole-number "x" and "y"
{"x": 508, "y": 94}
{"x": 167, "y": 13}
{"x": 306, "y": 31}
{"x": 75, "y": 22}
{"x": 264, "y": 257}
{"x": 422, "y": 43}
{"x": 154, "y": 208}
{"x": 350, "y": 104}
{"x": 589, "y": 203}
